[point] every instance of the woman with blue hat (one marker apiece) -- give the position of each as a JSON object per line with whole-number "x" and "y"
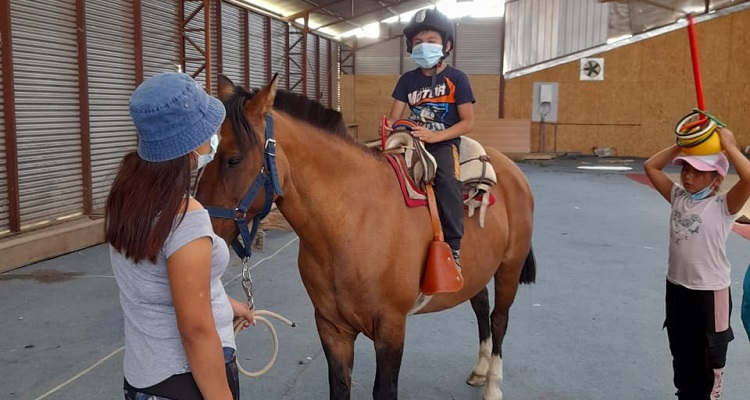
{"x": 698, "y": 299}
{"x": 167, "y": 261}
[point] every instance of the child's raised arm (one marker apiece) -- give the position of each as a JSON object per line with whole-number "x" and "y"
{"x": 654, "y": 166}
{"x": 739, "y": 193}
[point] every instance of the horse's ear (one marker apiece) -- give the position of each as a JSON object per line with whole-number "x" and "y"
{"x": 226, "y": 88}
{"x": 265, "y": 97}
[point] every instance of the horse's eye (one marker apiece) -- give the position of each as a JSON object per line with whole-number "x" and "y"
{"x": 234, "y": 162}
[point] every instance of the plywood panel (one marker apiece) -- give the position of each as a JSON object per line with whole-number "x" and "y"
{"x": 739, "y": 44}
{"x": 347, "y": 107}
{"x": 487, "y": 94}
{"x": 506, "y": 135}
{"x": 648, "y": 87}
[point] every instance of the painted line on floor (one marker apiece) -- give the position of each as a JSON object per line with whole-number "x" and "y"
{"x": 80, "y": 374}
{"x": 114, "y": 353}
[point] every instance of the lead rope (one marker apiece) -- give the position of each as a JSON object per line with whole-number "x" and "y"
{"x": 260, "y": 316}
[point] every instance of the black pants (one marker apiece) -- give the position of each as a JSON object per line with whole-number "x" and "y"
{"x": 449, "y": 190}
{"x": 183, "y": 386}
{"x": 699, "y": 332}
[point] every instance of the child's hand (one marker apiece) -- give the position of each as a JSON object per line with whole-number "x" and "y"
{"x": 727, "y": 138}
{"x": 424, "y": 134}
{"x": 388, "y": 126}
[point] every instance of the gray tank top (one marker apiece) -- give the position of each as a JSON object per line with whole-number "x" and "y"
{"x": 153, "y": 349}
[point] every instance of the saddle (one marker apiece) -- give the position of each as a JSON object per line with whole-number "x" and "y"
{"x": 417, "y": 168}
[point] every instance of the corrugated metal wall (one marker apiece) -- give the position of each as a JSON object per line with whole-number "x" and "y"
{"x": 232, "y": 43}
{"x": 478, "y": 46}
{"x": 111, "y": 66}
{"x": 313, "y": 91}
{"x": 382, "y": 58}
{"x": 296, "y": 44}
{"x": 194, "y": 58}
{"x": 325, "y": 72}
{"x": 4, "y": 214}
{"x": 47, "y": 109}
{"x": 161, "y": 36}
{"x": 48, "y": 100}
{"x": 540, "y": 30}
{"x": 477, "y": 51}
{"x": 279, "y": 51}
{"x": 257, "y": 45}
{"x": 336, "y": 71}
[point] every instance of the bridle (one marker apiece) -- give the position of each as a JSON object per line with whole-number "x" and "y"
{"x": 267, "y": 179}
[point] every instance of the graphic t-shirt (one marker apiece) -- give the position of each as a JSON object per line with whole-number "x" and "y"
{"x": 436, "y": 110}
{"x": 698, "y": 232}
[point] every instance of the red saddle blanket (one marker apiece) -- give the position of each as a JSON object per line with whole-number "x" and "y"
{"x": 413, "y": 195}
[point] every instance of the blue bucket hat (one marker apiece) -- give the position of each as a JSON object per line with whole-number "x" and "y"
{"x": 173, "y": 116}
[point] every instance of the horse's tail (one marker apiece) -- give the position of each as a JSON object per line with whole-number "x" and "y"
{"x": 528, "y": 273}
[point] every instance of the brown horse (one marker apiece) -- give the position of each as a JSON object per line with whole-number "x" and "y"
{"x": 361, "y": 250}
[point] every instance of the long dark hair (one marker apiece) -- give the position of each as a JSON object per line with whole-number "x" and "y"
{"x": 142, "y": 205}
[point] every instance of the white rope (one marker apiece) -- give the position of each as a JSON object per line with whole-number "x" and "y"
{"x": 260, "y": 317}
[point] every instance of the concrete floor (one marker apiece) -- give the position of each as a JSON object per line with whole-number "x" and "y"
{"x": 589, "y": 329}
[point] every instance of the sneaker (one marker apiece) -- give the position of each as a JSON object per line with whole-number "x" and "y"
{"x": 456, "y": 258}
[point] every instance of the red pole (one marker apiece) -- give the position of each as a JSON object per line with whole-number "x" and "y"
{"x": 696, "y": 63}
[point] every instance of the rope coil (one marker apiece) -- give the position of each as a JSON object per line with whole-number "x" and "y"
{"x": 260, "y": 316}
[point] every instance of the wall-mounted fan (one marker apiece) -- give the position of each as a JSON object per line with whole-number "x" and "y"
{"x": 592, "y": 69}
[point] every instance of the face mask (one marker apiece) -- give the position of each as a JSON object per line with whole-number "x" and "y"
{"x": 427, "y": 55}
{"x": 703, "y": 193}
{"x": 204, "y": 159}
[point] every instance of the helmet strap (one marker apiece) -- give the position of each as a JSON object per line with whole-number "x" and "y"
{"x": 434, "y": 78}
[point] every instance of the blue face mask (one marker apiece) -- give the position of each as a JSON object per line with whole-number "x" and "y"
{"x": 204, "y": 159}
{"x": 427, "y": 55}
{"x": 703, "y": 193}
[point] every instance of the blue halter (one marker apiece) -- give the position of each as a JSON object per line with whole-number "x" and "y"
{"x": 267, "y": 179}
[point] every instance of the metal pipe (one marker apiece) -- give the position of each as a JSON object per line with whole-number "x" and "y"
{"x": 207, "y": 33}
{"x": 84, "y": 114}
{"x": 9, "y": 110}
{"x": 138, "y": 40}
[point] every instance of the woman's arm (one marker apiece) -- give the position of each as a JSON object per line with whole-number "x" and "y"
{"x": 189, "y": 272}
{"x": 738, "y": 194}
{"x": 654, "y": 166}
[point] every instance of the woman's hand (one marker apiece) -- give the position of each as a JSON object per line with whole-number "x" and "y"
{"x": 242, "y": 310}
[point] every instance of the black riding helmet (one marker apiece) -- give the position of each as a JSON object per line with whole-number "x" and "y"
{"x": 429, "y": 20}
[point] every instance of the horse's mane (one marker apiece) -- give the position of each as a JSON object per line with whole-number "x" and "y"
{"x": 296, "y": 105}
{"x": 312, "y": 112}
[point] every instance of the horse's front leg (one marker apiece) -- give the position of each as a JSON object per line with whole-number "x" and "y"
{"x": 481, "y": 305}
{"x": 389, "y": 349}
{"x": 338, "y": 345}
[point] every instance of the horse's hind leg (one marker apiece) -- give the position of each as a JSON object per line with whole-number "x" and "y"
{"x": 506, "y": 287}
{"x": 481, "y": 305}
{"x": 389, "y": 349}
{"x": 338, "y": 345}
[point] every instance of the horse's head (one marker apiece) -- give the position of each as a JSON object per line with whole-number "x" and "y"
{"x": 239, "y": 159}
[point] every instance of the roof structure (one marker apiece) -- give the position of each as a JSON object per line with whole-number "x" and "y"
{"x": 335, "y": 17}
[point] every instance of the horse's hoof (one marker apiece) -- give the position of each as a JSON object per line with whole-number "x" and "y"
{"x": 476, "y": 380}
{"x": 494, "y": 395}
